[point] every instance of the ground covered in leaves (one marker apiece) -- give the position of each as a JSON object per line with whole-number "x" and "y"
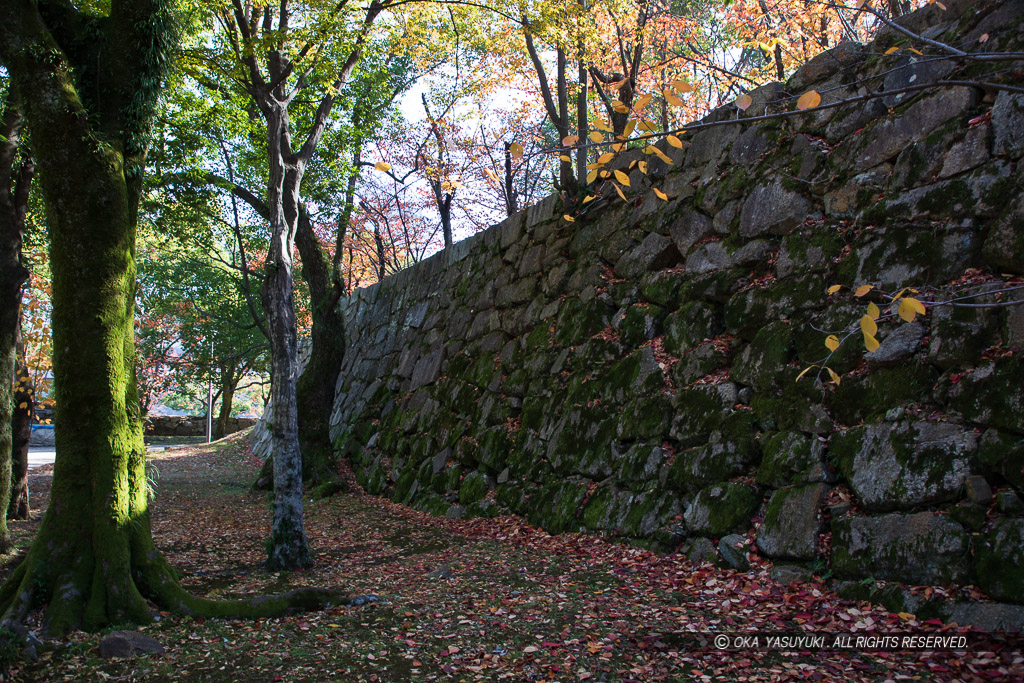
{"x": 464, "y": 601}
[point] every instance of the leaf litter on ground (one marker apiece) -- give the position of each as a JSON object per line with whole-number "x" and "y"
{"x": 466, "y": 600}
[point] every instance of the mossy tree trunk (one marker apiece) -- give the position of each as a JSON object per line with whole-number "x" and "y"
{"x": 15, "y": 180}
{"x": 93, "y": 562}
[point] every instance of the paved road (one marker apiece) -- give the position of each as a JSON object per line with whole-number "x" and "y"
{"x": 44, "y": 455}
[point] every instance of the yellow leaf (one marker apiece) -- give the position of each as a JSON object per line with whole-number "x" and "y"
{"x": 916, "y": 52}
{"x": 381, "y": 166}
{"x": 805, "y": 371}
{"x": 648, "y": 126}
{"x": 570, "y": 140}
{"x": 870, "y": 343}
{"x": 682, "y": 86}
{"x": 905, "y": 616}
{"x": 565, "y": 157}
{"x": 891, "y": 50}
{"x": 673, "y": 141}
{"x": 569, "y": 218}
{"x": 744, "y": 101}
{"x": 622, "y": 178}
{"x": 833, "y": 375}
{"x": 605, "y": 174}
{"x": 491, "y": 174}
{"x": 834, "y": 288}
{"x": 672, "y": 99}
{"x": 642, "y": 102}
{"x": 628, "y": 130}
{"x": 22, "y": 405}
{"x": 605, "y": 158}
{"x": 809, "y": 100}
{"x": 660, "y": 195}
{"x": 909, "y": 309}
{"x": 591, "y": 177}
{"x": 596, "y": 137}
{"x": 601, "y": 124}
{"x": 594, "y": 166}
{"x": 620, "y": 108}
{"x": 642, "y": 165}
{"x": 619, "y": 190}
{"x": 863, "y": 289}
{"x": 516, "y": 150}
{"x": 868, "y": 325}
{"x": 589, "y": 198}
{"x": 832, "y": 342}
{"x": 873, "y": 311}
{"x": 661, "y": 155}
{"x": 618, "y": 146}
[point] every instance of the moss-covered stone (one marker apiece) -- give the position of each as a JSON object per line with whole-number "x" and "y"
{"x": 999, "y": 560}
{"x": 993, "y": 395}
{"x": 639, "y": 463}
{"x": 701, "y": 361}
{"x": 638, "y": 374}
{"x": 870, "y": 396}
{"x": 700, "y": 410}
{"x": 645, "y": 417}
{"x": 791, "y": 522}
{"x": 722, "y": 458}
{"x": 759, "y": 364}
{"x": 789, "y": 458}
{"x": 661, "y": 288}
{"x": 690, "y": 325}
{"x": 555, "y": 506}
{"x": 578, "y": 321}
{"x": 899, "y": 466}
{"x": 640, "y": 323}
{"x": 1003, "y": 454}
{"x": 722, "y": 508}
{"x": 581, "y": 442}
{"x": 919, "y": 549}
{"x": 474, "y": 487}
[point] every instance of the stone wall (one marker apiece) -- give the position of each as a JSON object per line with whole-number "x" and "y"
{"x": 633, "y": 373}
{"x": 190, "y": 425}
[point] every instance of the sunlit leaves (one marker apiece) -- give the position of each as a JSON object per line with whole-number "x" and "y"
{"x": 834, "y": 288}
{"x": 809, "y": 100}
{"x": 674, "y": 141}
{"x": 832, "y": 342}
{"x": 570, "y": 140}
{"x": 660, "y": 195}
{"x": 862, "y": 290}
{"x": 744, "y": 101}
{"x": 516, "y": 150}
{"x": 382, "y": 166}
{"x": 622, "y": 178}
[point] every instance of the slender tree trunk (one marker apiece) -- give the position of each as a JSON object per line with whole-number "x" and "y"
{"x": 228, "y": 381}
{"x": 21, "y": 434}
{"x": 15, "y": 180}
{"x": 287, "y": 548}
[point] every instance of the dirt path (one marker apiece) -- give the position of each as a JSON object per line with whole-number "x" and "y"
{"x": 484, "y": 600}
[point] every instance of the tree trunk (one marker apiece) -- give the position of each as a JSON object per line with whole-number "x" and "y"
{"x": 14, "y": 189}
{"x": 21, "y": 433}
{"x": 228, "y": 380}
{"x": 315, "y": 389}
{"x": 287, "y": 548}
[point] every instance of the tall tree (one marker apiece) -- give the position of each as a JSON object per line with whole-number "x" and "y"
{"x": 274, "y": 59}
{"x": 16, "y": 173}
{"x": 88, "y": 83}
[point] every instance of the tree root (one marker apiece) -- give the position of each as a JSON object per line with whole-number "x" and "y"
{"x": 85, "y": 597}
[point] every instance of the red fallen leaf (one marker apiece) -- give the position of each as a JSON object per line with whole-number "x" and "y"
{"x": 548, "y": 643}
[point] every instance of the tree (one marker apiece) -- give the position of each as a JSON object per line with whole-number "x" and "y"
{"x": 16, "y": 171}
{"x": 88, "y": 84}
